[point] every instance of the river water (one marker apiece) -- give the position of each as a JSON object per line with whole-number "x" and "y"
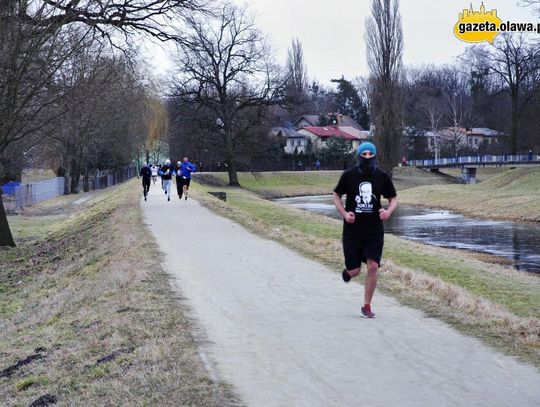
{"x": 515, "y": 241}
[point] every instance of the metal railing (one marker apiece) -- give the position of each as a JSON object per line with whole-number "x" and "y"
{"x": 478, "y": 160}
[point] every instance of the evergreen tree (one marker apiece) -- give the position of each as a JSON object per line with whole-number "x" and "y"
{"x": 347, "y": 101}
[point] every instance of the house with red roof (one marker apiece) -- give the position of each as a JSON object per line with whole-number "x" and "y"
{"x": 319, "y": 135}
{"x": 335, "y": 119}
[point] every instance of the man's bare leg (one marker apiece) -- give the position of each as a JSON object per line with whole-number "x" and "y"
{"x": 371, "y": 281}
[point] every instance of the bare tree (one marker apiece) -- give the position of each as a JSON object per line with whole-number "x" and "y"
{"x": 32, "y": 34}
{"x": 384, "y": 40}
{"x": 514, "y": 60}
{"x": 104, "y": 100}
{"x": 153, "y": 17}
{"x": 224, "y": 67}
{"x": 29, "y": 58}
{"x": 458, "y": 106}
{"x": 527, "y": 3}
{"x": 296, "y": 79}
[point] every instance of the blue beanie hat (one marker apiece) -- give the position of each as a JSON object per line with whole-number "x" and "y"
{"x": 367, "y": 146}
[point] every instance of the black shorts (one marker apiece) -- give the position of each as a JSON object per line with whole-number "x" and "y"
{"x": 359, "y": 249}
{"x": 182, "y": 181}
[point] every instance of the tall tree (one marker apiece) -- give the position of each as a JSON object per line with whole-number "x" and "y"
{"x": 384, "y": 38}
{"x": 224, "y": 66}
{"x": 296, "y": 80}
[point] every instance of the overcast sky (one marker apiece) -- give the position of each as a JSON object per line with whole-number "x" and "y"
{"x": 332, "y": 32}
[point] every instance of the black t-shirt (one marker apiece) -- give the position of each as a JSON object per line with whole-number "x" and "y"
{"x": 167, "y": 171}
{"x": 364, "y": 193}
{"x": 146, "y": 173}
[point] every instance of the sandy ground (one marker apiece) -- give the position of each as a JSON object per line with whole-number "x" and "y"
{"x": 286, "y": 331}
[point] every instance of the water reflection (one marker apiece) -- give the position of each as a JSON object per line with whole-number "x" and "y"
{"x": 518, "y": 242}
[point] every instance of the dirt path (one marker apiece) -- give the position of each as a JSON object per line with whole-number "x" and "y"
{"x": 286, "y": 331}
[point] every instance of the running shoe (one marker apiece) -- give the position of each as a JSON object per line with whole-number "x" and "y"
{"x": 366, "y": 312}
{"x": 346, "y": 276}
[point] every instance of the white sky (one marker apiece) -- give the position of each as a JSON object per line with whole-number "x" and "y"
{"x": 332, "y": 32}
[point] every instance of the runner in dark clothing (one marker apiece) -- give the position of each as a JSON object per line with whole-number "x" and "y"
{"x": 166, "y": 172}
{"x": 363, "y": 215}
{"x": 179, "y": 184}
{"x": 146, "y": 174}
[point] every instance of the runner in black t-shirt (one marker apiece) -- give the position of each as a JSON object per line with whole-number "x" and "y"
{"x": 363, "y": 216}
{"x": 146, "y": 174}
{"x": 166, "y": 171}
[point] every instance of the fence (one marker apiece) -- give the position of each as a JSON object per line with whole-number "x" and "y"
{"x": 478, "y": 159}
{"x": 29, "y": 194}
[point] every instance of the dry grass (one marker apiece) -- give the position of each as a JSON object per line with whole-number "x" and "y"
{"x": 492, "y": 302}
{"x": 88, "y": 296}
{"x": 511, "y": 195}
{"x": 272, "y": 185}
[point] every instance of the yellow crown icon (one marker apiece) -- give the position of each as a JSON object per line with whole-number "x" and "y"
{"x": 477, "y": 26}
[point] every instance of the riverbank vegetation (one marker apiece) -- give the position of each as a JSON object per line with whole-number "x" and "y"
{"x": 474, "y": 293}
{"x": 506, "y": 194}
{"x": 273, "y": 185}
{"x": 88, "y": 316}
{"x": 513, "y": 194}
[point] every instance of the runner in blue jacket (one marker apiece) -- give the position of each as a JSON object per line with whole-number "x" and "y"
{"x": 185, "y": 169}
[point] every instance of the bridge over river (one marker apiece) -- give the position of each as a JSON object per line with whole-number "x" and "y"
{"x": 469, "y": 164}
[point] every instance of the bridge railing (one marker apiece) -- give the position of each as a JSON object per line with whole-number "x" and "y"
{"x": 476, "y": 159}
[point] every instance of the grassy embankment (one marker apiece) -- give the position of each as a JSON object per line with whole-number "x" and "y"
{"x": 272, "y": 185}
{"x": 491, "y": 301}
{"x": 513, "y": 194}
{"x": 87, "y": 315}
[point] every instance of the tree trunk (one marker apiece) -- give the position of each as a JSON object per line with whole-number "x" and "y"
{"x": 514, "y": 126}
{"x": 6, "y": 239}
{"x": 229, "y": 158}
{"x": 75, "y": 177}
{"x": 86, "y": 183}
{"x": 65, "y": 171}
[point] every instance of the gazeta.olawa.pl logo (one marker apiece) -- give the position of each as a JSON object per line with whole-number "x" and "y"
{"x": 482, "y": 25}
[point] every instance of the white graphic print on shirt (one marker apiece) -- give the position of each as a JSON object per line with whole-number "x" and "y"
{"x": 365, "y": 200}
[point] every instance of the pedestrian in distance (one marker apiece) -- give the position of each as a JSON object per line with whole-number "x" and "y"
{"x": 363, "y": 217}
{"x": 146, "y": 174}
{"x": 166, "y": 172}
{"x": 186, "y": 169}
{"x": 154, "y": 173}
{"x": 318, "y": 165}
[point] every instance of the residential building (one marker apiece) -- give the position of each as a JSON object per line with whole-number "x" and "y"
{"x": 458, "y": 138}
{"x": 476, "y": 136}
{"x": 313, "y": 120}
{"x": 294, "y": 141}
{"x": 319, "y": 135}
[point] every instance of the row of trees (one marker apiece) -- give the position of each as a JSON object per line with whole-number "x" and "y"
{"x": 223, "y": 113}
{"x": 228, "y": 92}
{"x": 69, "y": 90}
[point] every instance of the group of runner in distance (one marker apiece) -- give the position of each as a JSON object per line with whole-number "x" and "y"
{"x": 363, "y": 214}
{"x": 182, "y": 172}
